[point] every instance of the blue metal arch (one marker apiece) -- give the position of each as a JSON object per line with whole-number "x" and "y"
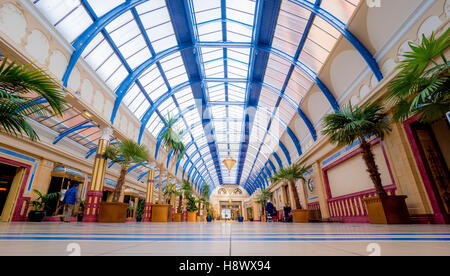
{"x": 291, "y": 134}
{"x": 205, "y": 145}
{"x": 100, "y": 23}
{"x": 86, "y": 37}
{"x": 277, "y": 158}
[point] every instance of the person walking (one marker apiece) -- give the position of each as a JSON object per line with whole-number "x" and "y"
{"x": 70, "y": 199}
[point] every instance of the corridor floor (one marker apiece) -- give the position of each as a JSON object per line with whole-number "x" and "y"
{"x": 222, "y": 239}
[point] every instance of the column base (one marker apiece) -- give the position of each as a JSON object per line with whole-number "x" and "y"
{"x": 147, "y": 213}
{"x": 93, "y": 200}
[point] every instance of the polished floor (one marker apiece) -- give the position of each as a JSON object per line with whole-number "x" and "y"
{"x": 222, "y": 239}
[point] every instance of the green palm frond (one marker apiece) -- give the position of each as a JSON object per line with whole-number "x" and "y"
{"x": 171, "y": 137}
{"x": 126, "y": 153}
{"x": 169, "y": 190}
{"x": 19, "y": 86}
{"x": 291, "y": 173}
{"x": 419, "y": 89}
{"x": 205, "y": 190}
{"x": 356, "y": 123}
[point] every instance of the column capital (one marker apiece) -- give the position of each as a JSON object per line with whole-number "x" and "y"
{"x": 107, "y": 132}
{"x": 152, "y": 165}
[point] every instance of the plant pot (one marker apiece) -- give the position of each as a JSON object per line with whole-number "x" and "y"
{"x": 160, "y": 212}
{"x": 36, "y": 216}
{"x": 191, "y": 216}
{"x": 138, "y": 218}
{"x": 240, "y": 219}
{"x": 300, "y": 216}
{"x": 112, "y": 212}
{"x": 387, "y": 210}
{"x": 177, "y": 217}
{"x": 208, "y": 219}
{"x": 80, "y": 217}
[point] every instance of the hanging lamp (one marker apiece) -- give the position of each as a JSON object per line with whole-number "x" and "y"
{"x": 229, "y": 163}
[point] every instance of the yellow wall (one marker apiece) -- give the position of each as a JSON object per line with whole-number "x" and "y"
{"x": 352, "y": 176}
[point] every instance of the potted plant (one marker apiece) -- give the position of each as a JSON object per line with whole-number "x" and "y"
{"x": 352, "y": 124}
{"x": 291, "y": 174}
{"x": 262, "y": 199}
{"x": 171, "y": 140}
{"x": 240, "y": 217}
{"x": 81, "y": 211}
{"x": 209, "y": 216}
{"x": 39, "y": 206}
{"x": 140, "y": 210}
{"x": 17, "y": 82}
{"x": 126, "y": 153}
{"x": 191, "y": 209}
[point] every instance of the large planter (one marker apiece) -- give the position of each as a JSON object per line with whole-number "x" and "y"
{"x": 240, "y": 219}
{"x": 387, "y": 210}
{"x": 300, "y": 216}
{"x": 36, "y": 216}
{"x": 208, "y": 219}
{"x": 191, "y": 216}
{"x": 112, "y": 212}
{"x": 160, "y": 212}
{"x": 177, "y": 217}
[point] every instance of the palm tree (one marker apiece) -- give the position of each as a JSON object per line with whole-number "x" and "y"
{"x": 169, "y": 191}
{"x": 263, "y": 197}
{"x": 291, "y": 174}
{"x": 125, "y": 154}
{"x": 186, "y": 192}
{"x": 21, "y": 91}
{"x": 171, "y": 138}
{"x": 352, "y": 124}
{"x": 423, "y": 85}
{"x": 205, "y": 196}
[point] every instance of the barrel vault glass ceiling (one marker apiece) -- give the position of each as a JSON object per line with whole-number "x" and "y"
{"x": 232, "y": 72}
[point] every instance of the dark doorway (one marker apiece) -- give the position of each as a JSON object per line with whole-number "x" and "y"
{"x": 7, "y": 174}
{"x": 434, "y": 162}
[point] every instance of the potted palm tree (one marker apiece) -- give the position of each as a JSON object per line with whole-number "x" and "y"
{"x": 423, "y": 86}
{"x": 170, "y": 192}
{"x": 171, "y": 140}
{"x": 262, "y": 199}
{"x": 140, "y": 210}
{"x": 39, "y": 206}
{"x": 186, "y": 192}
{"x": 178, "y": 215}
{"x": 126, "y": 153}
{"x": 81, "y": 211}
{"x": 205, "y": 199}
{"x": 352, "y": 124}
{"x": 291, "y": 174}
{"x": 191, "y": 209}
{"x": 21, "y": 92}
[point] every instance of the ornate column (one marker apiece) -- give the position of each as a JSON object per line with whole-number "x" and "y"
{"x": 162, "y": 175}
{"x": 95, "y": 193}
{"x": 149, "y": 195}
{"x": 171, "y": 207}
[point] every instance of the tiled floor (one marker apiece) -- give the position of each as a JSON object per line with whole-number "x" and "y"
{"x": 223, "y": 239}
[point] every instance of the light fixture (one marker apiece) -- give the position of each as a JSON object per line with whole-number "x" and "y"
{"x": 229, "y": 162}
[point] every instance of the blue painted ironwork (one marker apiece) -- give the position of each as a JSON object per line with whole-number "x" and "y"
{"x": 340, "y": 26}
{"x": 265, "y": 22}
{"x": 72, "y": 130}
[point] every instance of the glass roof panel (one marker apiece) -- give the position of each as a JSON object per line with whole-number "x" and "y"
{"x": 145, "y": 31}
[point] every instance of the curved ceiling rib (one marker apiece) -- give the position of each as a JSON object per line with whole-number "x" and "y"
{"x": 192, "y": 47}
